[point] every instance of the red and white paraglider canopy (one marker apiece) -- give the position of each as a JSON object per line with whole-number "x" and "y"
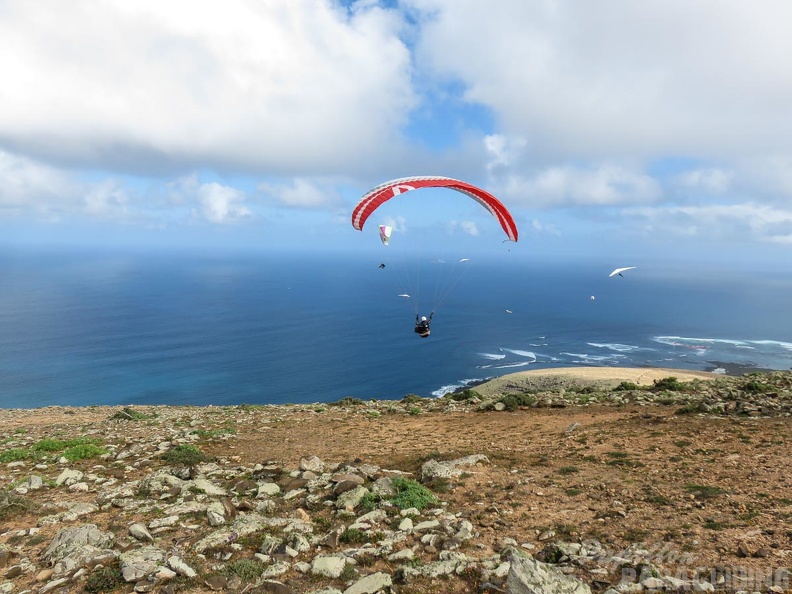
{"x": 384, "y": 192}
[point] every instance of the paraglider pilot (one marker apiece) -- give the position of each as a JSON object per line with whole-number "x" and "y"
{"x": 422, "y": 325}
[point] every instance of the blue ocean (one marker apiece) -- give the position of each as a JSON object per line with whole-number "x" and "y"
{"x": 88, "y": 328}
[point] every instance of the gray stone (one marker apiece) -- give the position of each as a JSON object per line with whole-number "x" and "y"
{"x": 68, "y": 540}
{"x": 351, "y": 499}
{"x": 178, "y": 565}
{"x": 140, "y": 532}
{"x": 68, "y": 477}
{"x": 140, "y": 563}
{"x": 330, "y": 566}
{"x": 312, "y": 464}
{"x": 432, "y": 469}
{"x": 529, "y": 576}
{"x": 370, "y": 584}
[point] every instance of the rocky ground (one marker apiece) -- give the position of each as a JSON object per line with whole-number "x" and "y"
{"x": 534, "y": 483}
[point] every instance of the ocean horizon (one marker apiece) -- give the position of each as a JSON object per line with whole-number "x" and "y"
{"x": 87, "y": 328}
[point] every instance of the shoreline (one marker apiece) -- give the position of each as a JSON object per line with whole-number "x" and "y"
{"x": 553, "y": 378}
{"x": 605, "y": 377}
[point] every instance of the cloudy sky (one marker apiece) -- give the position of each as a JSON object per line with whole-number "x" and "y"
{"x": 660, "y": 128}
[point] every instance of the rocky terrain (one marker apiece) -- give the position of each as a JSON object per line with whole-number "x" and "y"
{"x": 542, "y": 483}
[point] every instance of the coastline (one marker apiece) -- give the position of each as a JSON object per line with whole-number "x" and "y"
{"x": 604, "y": 377}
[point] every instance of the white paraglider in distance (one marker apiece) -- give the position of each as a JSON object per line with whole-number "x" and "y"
{"x": 620, "y": 270}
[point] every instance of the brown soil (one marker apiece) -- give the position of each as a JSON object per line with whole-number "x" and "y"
{"x": 696, "y": 491}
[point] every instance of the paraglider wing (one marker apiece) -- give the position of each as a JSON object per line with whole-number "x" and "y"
{"x": 385, "y": 233}
{"x": 620, "y": 270}
{"x": 384, "y": 192}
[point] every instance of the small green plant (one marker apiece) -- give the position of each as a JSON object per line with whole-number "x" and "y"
{"x": 83, "y": 452}
{"x": 15, "y": 455}
{"x": 347, "y": 401}
{"x": 704, "y": 491}
{"x": 411, "y": 399}
{"x": 568, "y": 470}
{"x": 353, "y": 536}
{"x": 409, "y": 493}
{"x": 755, "y": 387}
{"x": 58, "y": 445}
{"x": 129, "y": 414}
{"x": 626, "y": 387}
{"x": 184, "y": 455}
{"x": 247, "y": 569}
{"x": 688, "y": 409}
{"x": 370, "y": 502}
{"x": 12, "y": 505}
{"x": 210, "y": 433}
{"x": 670, "y": 384}
{"x": 464, "y": 395}
{"x": 514, "y": 401}
{"x": 414, "y": 410}
{"x": 105, "y": 579}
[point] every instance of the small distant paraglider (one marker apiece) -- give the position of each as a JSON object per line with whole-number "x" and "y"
{"x": 464, "y": 260}
{"x": 382, "y": 265}
{"x": 619, "y": 271}
{"x": 508, "y": 311}
{"x": 385, "y": 232}
{"x": 404, "y": 296}
{"x": 593, "y": 298}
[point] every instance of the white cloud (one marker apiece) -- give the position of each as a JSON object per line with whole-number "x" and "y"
{"x": 303, "y": 85}
{"x": 615, "y": 78}
{"x": 541, "y": 228}
{"x": 736, "y": 223}
{"x": 215, "y": 203}
{"x": 26, "y": 184}
{"x": 503, "y": 150}
{"x": 467, "y": 227}
{"x": 710, "y": 180}
{"x": 398, "y": 223}
{"x": 301, "y": 193}
{"x": 561, "y": 186}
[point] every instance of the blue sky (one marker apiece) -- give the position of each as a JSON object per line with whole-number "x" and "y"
{"x": 640, "y": 131}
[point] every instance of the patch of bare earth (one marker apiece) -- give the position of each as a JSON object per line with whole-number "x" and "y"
{"x": 695, "y": 490}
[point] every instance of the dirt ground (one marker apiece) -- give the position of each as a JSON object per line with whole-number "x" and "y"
{"x": 695, "y": 491}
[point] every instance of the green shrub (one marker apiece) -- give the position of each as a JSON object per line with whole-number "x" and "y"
{"x": 513, "y": 401}
{"x": 670, "y": 384}
{"x": 704, "y": 491}
{"x": 129, "y": 414}
{"x": 58, "y": 445}
{"x": 688, "y": 409}
{"x": 754, "y": 387}
{"x": 15, "y": 454}
{"x": 247, "y": 569}
{"x": 12, "y": 505}
{"x": 370, "y": 502}
{"x": 411, "y": 399}
{"x": 83, "y": 451}
{"x": 409, "y": 493}
{"x": 568, "y": 470}
{"x": 348, "y": 401}
{"x": 105, "y": 579}
{"x": 626, "y": 387}
{"x": 464, "y": 395}
{"x": 184, "y": 455}
{"x": 353, "y": 536}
